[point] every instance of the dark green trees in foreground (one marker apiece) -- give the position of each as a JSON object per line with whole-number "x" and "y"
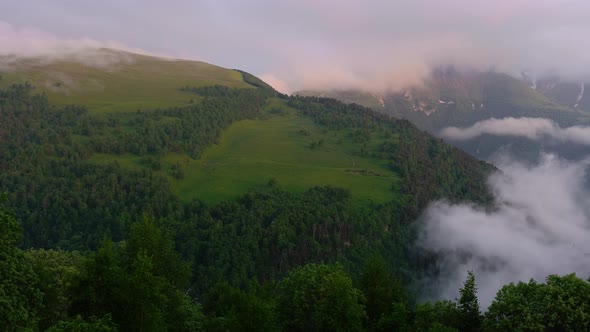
{"x": 142, "y": 284}
{"x": 18, "y": 300}
{"x": 137, "y": 285}
{"x": 320, "y": 298}
{"x": 559, "y": 304}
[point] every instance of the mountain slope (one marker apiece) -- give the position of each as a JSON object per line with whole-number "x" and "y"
{"x": 276, "y": 144}
{"x": 248, "y": 182}
{"x": 108, "y": 80}
{"x": 74, "y": 175}
{"x": 452, "y": 98}
{"x": 570, "y": 94}
{"x": 461, "y": 98}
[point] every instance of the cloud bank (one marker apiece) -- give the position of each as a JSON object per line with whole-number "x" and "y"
{"x": 541, "y": 226}
{"x": 42, "y": 46}
{"x": 532, "y": 128}
{"x": 374, "y": 45}
{"x": 386, "y": 45}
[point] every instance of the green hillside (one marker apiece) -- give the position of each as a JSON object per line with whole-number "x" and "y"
{"x": 252, "y": 151}
{"x": 230, "y": 142}
{"x": 249, "y": 153}
{"x": 275, "y": 145}
{"x": 118, "y": 81}
{"x": 180, "y": 211}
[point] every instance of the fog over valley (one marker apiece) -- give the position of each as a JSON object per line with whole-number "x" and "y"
{"x": 539, "y": 225}
{"x": 535, "y": 129}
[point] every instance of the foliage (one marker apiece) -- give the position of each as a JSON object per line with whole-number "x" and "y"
{"x": 148, "y": 255}
{"x": 232, "y": 309}
{"x": 469, "y": 306}
{"x": 140, "y": 283}
{"x": 559, "y": 304}
{"x": 19, "y": 297}
{"x": 319, "y": 298}
{"x": 381, "y": 289}
{"x": 57, "y": 272}
{"x": 78, "y": 324}
{"x": 429, "y": 168}
{"x": 256, "y": 82}
{"x": 437, "y": 316}
{"x": 65, "y": 201}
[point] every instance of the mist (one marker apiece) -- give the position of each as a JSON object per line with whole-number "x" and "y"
{"x": 374, "y": 45}
{"x": 532, "y": 128}
{"x": 540, "y": 225}
{"x": 43, "y": 47}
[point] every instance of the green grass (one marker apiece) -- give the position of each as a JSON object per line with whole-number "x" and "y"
{"x": 276, "y": 146}
{"x": 135, "y": 82}
{"x": 250, "y": 153}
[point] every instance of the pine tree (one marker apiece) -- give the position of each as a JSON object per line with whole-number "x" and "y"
{"x": 468, "y": 305}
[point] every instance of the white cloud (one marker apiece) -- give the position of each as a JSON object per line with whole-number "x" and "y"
{"x": 540, "y": 226}
{"x": 276, "y": 83}
{"x": 531, "y": 128}
{"x": 37, "y": 44}
{"x": 383, "y": 45}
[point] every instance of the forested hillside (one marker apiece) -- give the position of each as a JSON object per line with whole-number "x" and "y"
{"x": 108, "y": 246}
{"x": 66, "y": 201}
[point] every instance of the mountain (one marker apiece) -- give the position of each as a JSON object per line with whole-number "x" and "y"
{"x": 107, "y": 80}
{"x": 181, "y": 179}
{"x": 567, "y": 93}
{"x": 200, "y": 132}
{"x": 211, "y": 208}
{"x": 454, "y": 98}
{"x": 450, "y": 97}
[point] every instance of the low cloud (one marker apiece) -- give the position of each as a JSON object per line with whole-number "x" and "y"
{"x": 44, "y": 47}
{"x": 276, "y": 83}
{"x": 532, "y": 128}
{"x": 540, "y": 226}
{"x": 381, "y": 46}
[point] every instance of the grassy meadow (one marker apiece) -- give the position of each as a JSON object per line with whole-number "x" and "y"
{"x": 276, "y": 146}
{"x": 280, "y": 145}
{"x": 130, "y": 82}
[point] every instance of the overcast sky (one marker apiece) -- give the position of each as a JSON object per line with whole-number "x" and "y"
{"x": 321, "y": 43}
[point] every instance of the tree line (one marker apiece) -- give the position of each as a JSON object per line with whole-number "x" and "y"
{"x": 143, "y": 284}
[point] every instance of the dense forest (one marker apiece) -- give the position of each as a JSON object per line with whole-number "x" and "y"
{"x": 91, "y": 247}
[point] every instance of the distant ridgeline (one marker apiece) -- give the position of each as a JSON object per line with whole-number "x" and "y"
{"x": 461, "y": 98}
{"x": 64, "y": 201}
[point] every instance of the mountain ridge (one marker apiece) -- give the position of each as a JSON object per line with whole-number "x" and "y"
{"x": 109, "y": 80}
{"x": 460, "y": 98}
